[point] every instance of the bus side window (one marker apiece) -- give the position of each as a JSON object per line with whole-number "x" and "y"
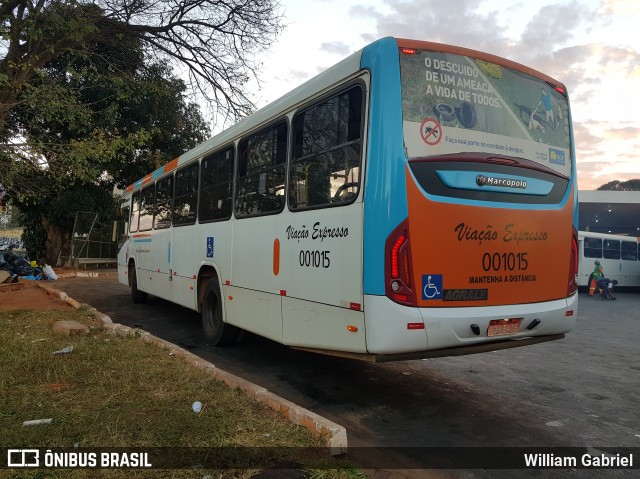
{"x": 164, "y": 193}
{"x": 124, "y": 221}
{"x": 592, "y": 248}
{"x": 146, "y": 208}
{"x": 216, "y": 181}
{"x": 611, "y": 249}
{"x": 185, "y": 202}
{"x": 261, "y": 172}
{"x": 629, "y": 251}
{"x": 327, "y": 140}
{"x": 135, "y": 212}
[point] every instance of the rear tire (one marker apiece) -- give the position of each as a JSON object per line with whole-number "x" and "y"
{"x": 136, "y": 295}
{"x": 216, "y": 331}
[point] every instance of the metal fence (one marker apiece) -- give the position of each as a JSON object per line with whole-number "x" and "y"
{"x": 90, "y": 244}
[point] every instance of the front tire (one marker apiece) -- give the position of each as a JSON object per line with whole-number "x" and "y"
{"x": 216, "y": 331}
{"x": 136, "y": 295}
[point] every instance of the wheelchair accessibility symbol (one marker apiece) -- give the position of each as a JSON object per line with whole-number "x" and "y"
{"x": 431, "y": 286}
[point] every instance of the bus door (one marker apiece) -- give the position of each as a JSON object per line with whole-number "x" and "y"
{"x": 181, "y": 251}
{"x": 143, "y": 240}
{"x": 254, "y": 301}
{"x": 322, "y": 235}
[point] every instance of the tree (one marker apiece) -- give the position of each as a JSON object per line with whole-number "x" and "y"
{"x": 617, "y": 185}
{"x": 214, "y": 42}
{"x": 98, "y": 122}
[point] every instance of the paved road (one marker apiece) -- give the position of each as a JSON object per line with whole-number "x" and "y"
{"x": 581, "y": 391}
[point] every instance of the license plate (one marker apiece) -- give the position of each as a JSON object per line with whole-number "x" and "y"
{"x": 499, "y": 327}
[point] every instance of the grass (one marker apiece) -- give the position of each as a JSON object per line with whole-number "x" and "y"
{"x": 122, "y": 392}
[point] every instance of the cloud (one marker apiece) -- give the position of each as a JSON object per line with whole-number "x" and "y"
{"x": 606, "y": 153}
{"x": 589, "y": 137}
{"x": 365, "y": 11}
{"x": 551, "y": 27}
{"x": 472, "y": 24}
{"x": 624, "y": 133}
{"x": 436, "y": 20}
{"x": 620, "y": 7}
{"x": 336, "y": 47}
{"x": 293, "y": 75}
{"x": 580, "y": 43}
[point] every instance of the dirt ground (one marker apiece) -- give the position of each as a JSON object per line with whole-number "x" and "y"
{"x": 30, "y": 297}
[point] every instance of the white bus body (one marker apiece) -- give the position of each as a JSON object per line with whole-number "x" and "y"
{"x": 318, "y": 277}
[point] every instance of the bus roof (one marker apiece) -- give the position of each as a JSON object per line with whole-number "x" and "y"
{"x": 592, "y": 234}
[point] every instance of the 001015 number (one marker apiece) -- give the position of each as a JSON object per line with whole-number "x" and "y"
{"x": 505, "y": 261}
{"x": 314, "y": 259}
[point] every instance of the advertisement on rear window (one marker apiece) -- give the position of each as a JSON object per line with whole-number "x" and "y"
{"x": 455, "y": 104}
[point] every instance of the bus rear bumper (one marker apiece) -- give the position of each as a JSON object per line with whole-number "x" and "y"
{"x": 394, "y": 329}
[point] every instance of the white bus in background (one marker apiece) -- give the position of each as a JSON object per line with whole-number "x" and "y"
{"x": 619, "y": 256}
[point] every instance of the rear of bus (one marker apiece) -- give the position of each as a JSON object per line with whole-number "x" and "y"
{"x": 470, "y": 202}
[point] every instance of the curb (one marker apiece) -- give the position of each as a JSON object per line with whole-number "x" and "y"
{"x": 336, "y": 435}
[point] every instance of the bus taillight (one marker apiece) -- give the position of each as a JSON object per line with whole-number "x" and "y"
{"x": 395, "y": 267}
{"x": 573, "y": 269}
{"x": 398, "y": 270}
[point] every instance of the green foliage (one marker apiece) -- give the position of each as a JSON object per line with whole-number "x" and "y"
{"x": 60, "y": 208}
{"x": 89, "y": 121}
{"x": 617, "y": 185}
{"x": 106, "y": 111}
{"x": 83, "y": 197}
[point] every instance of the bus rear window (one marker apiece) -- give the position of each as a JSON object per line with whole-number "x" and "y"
{"x": 457, "y": 104}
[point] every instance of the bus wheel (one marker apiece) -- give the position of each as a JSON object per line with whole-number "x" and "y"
{"x": 136, "y": 295}
{"x": 216, "y": 331}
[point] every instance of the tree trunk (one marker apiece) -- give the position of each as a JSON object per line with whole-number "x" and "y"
{"x": 57, "y": 242}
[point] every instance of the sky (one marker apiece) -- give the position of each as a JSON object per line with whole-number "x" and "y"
{"x": 592, "y": 46}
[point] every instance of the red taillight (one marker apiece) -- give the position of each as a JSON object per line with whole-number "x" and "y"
{"x": 408, "y": 51}
{"x": 398, "y": 269}
{"x": 561, "y": 90}
{"x": 572, "y": 285}
{"x": 395, "y": 270}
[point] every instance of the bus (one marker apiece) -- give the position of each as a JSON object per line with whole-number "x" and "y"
{"x": 618, "y": 255}
{"x": 414, "y": 200}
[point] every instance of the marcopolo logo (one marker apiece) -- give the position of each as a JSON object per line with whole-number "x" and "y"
{"x": 482, "y": 180}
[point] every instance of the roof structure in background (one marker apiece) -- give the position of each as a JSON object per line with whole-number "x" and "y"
{"x": 615, "y": 212}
